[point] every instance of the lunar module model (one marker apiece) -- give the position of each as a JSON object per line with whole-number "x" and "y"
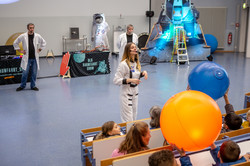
{"x": 177, "y": 36}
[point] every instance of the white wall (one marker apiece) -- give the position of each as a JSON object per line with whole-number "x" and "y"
{"x": 243, "y": 30}
{"x": 231, "y": 6}
{"x": 53, "y": 18}
{"x": 43, "y": 8}
{"x": 248, "y": 41}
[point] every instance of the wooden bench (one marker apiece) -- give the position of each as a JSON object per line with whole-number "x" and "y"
{"x": 130, "y": 156}
{"x": 94, "y": 150}
{"x": 142, "y": 159}
{"x": 197, "y": 158}
{"x": 242, "y": 113}
{"x": 90, "y": 154}
{"x": 129, "y": 124}
{"x": 103, "y": 149}
{"x": 234, "y": 133}
{"x": 243, "y": 164}
{"x": 86, "y": 135}
{"x": 86, "y": 153}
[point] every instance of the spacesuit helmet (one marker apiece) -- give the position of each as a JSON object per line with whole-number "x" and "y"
{"x": 98, "y": 18}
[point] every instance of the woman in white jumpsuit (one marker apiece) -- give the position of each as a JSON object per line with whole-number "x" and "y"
{"x": 128, "y": 76}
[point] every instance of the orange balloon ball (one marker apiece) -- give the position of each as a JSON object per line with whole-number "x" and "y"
{"x": 191, "y": 120}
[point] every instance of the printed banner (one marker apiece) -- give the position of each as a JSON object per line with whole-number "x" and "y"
{"x": 10, "y": 71}
{"x": 85, "y": 64}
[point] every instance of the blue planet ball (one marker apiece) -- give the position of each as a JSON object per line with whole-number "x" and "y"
{"x": 209, "y": 78}
{"x": 211, "y": 41}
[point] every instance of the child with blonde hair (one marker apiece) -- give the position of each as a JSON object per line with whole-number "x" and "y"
{"x": 247, "y": 122}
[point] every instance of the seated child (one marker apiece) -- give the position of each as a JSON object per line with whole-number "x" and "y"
{"x": 109, "y": 128}
{"x": 155, "y": 113}
{"x": 166, "y": 158}
{"x": 137, "y": 139}
{"x": 247, "y": 123}
{"x": 228, "y": 154}
{"x": 232, "y": 121}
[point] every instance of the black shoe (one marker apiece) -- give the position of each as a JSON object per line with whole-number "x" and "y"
{"x": 210, "y": 58}
{"x": 35, "y": 89}
{"x": 19, "y": 88}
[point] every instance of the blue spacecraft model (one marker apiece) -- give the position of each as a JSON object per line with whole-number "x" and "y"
{"x": 177, "y": 36}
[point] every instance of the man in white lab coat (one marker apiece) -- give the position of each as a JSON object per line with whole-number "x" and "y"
{"x": 125, "y": 38}
{"x": 32, "y": 43}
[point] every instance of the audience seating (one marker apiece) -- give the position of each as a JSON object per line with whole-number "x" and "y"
{"x": 129, "y": 124}
{"x": 202, "y": 157}
{"x": 90, "y": 149}
{"x": 148, "y": 152}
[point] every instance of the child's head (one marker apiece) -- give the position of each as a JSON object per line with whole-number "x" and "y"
{"x": 162, "y": 158}
{"x": 110, "y": 128}
{"x": 248, "y": 116}
{"x": 233, "y": 121}
{"x": 229, "y": 151}
{"x": 137, "y": 138}
{"x": 155, "y": 113}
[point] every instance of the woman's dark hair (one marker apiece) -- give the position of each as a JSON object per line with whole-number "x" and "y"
{"x": 155, "y": 113}
{"x": 106, "y": 127}
{"x": 133, "y": 141}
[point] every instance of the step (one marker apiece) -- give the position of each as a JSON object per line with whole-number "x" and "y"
{"x": 179, "y": 60}
{"x": 182, "y": 53}
{"x": 182, "y": 49}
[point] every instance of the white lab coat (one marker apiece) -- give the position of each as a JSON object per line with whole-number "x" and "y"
{"x": 128, "y": 94}
{"x": 38, "y": 42}
{"x": 122, "y": 41}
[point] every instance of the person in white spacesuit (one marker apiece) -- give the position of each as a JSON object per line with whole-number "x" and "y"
{"x": 128, "y": 76}
{"x": 125, "y": 38}
{"x": 99, "y": 32}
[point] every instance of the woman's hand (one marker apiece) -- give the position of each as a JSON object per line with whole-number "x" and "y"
{"x": 145, "y": 74}
{"x": 134, "y": 81}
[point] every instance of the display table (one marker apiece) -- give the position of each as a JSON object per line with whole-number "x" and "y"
{"x": 85, "y": 64}
{"x": 10, "y": 71}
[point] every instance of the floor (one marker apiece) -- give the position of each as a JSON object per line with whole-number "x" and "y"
{"x": 43, "y": 128}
